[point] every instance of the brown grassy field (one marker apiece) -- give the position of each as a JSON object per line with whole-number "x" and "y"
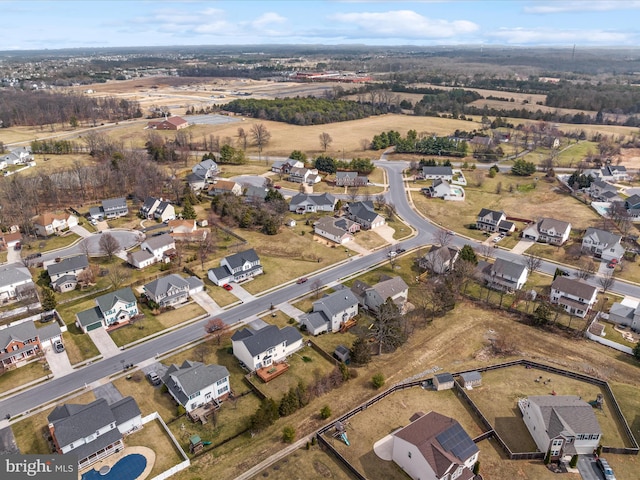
{"x": 155, "y": 437}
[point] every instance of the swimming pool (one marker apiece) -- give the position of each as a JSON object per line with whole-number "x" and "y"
{"x": 127, "y": 468}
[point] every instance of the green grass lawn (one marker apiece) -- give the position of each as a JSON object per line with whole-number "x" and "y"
{"x": 17, "y": 377}
{"x": 614, "y": 335}
{"x": 572, "y": 154}
{"x": 78, "y": 345}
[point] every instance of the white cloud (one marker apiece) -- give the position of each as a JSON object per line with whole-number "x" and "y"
{"x": 267, "y": 19}
{"x": 544, "y": 36}
{"x": 405, "y": 24}
{"x": 582, "y": 6}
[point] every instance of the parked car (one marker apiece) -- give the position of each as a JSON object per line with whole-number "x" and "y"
{"x": 227, "y": 287}
{"x": 400, "y": 250}
{"x": 277, "y": 187}
{"x": 612, "y": 263}
{"x": 392, "y": 254}
{"x": 302, "y": 280}
{"x": 154, "y": 378}
{"x": 58, "y": 347}
{"x": 606, "y": 470}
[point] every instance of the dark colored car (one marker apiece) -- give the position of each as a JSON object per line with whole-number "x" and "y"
{"x": 302, "y": 280}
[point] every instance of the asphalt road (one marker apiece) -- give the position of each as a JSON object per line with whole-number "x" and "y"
{"x": 57, "y": 387}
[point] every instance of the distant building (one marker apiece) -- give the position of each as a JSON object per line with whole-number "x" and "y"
{"x": 169, "y": 123}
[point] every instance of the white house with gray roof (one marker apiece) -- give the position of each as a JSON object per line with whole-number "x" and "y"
{"x": 561, "y": 424}
{"x": 548, "y": 230}
{"x": 153, "y": 250}
{"x": 15, "y": 281}
{"x": 493, "y": 221}
{"x": 371, "y": 297}
{"x": 64, "y": 274}
{"x": 437, "y": 172}
{"x": 350, "y": 179}
{"x": 331, "y": 312}
{"x": 339, "y": 230}
{"x": 111, "y": 308}
{"x": 202, "y": 174}
{"x": 626, "y": 312}
{"x": 602, "y": 244}
{"x": 575, "y": 296}
{"x": 261, "y": 348}
{"x": 172, "y": 289}
{"x": 311, "y": 203}
{"x": 364, "y": 213}
{"x": 504, "y": 274}
{"x": 110, "y": 208}
{"x": 439, "y": 259}
{"x": 236, "y": 268}
{"x": 93, "y": 431}
{"x": 194, "y": 384}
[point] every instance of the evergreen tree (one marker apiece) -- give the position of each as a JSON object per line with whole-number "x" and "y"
{"x": 48, "y": 300}
{"x": 188, "y": 212}
{"x": 523, "y": 168}
{"x": 468, "y": 253}
{"x": 265, "y": 416}
{"x": 360, "y": 351}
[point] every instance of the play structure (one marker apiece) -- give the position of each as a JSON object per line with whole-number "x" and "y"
{"x": 598, "y": 402}
{"x": 340, "y": 432}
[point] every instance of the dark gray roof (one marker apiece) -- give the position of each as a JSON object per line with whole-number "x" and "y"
{"x": 13, "y": 273}
{"x": 266, "y": 338}
{"x": 314, "y": 199}
{"x": 194, "y": 282}
{"x": 315, "y": 319}
{"x": 558, "y": 225}
{"x": 161, "y": 208}
{"x": 505, "y": 225}
{"x": 566, "y": 413}
{"x": 221, "y": 272}
{"x": 192, "y": 377}
{"x": 346, "y": 175}
{"x": 163, "y": 284}
{"x": 633, "y": 200}
{"x": 495, "y": 215}
{"x": 148, "y": 204}
{"x": 108, "y": 300}
{"x": 390, "y": 287}
{"x": 103, "y": 441}
{"x": 65, "y": 279}
{"x": 602, "y": 236}
{"x": 140, "y": 256}
{"x": 49, "y": 331}
{"x": 20, "y": 332}
{"x": 437, "y": 171}
{"x": 444, "y": 377}
{"x": 574, "y": 287}
{"x": 507, "y": 268}
{"x": 256, "y": 192}
{"x": 125, "y": 409}
{"x": 69, "y": 264}
{"x": 81, "y": 422}
{"x": 160, "y": 241}
{"x": 238, "y": 259}
{"x": 89, "y": 317}
{"x": 363, "y": 210}
{"x": 114, "y": 203}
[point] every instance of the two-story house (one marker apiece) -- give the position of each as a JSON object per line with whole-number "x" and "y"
{"x": 222, "y": 187}
{"x": 236, "y": 268}
{"x": 548, "y": 230}
{"x": 626, "y": 313}
{"x": 309, "y": 176}
{"x": 194, "y": 384}
{"x": 115, "y": 207}
{"x": 372, "y": 297}
{"x": 17, "y": 156}
{"x": 602, "y": 244}
{"x": 575, "y": 296}
{"x": 153, "y": 250}
{"x": 364, "y": 213}
{"x": 111, "y": 308}
{"x": 51, "y": 223}
{"x": 94, "y": 431}
{"x": 311, "y": 203}
{"x": 338, "y": 230}
{"x": 285, "y": 166}
{"x": 603, "y": 191}
{"x": 23, "y": 341}
{"x": 261, "y": 348}
{"x": 64, "y": 273}
{"x": 439, "y": 259}
{"x": 434, "y": 447}
{"x": 632, "y": 206}
{"x": 493, "y": 221}
{"x": 202, "y": 174}
{"x": 437, "y": 172}
{"x": 331, "y": 312}
{"x": 350, "y": 179}
{"x": 164, "y": 212}
{"x": 504, "y": 274}
{"x": 561, "y": 424}
{"x": 15, "y": 282}
{"x": 172, "y": 289}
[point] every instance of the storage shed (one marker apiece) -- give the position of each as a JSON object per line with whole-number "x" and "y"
{"x": 470, "y": 379}
{"x": 342, "y": 353}
{"x": 443, "y": 381}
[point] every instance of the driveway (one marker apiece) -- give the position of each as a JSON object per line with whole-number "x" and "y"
{"x": 588, "y": 469}
{"x": 59, "y": 363}
{"x": 386, "y": 232}
{"x": 109, "y": 392}
{"x": 354, "y": 245}
{"x": 103, "y": 341}
{"x": 13, "y": 255}
{"x": 205, "y": 301}
{"x": 289, "y": 310}
{"x": 522, "y": 246}
{"x": 241, "y": 293}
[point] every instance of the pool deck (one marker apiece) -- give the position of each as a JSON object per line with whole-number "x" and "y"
{"x": 147, "y": 453}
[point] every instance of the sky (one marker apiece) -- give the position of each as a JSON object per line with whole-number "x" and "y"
{"x": 31, "y": 24}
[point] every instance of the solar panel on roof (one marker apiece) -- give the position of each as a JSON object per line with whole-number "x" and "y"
{"x": 458, "y": 442}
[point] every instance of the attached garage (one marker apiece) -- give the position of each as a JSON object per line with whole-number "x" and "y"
{"x": 88, "y": 320}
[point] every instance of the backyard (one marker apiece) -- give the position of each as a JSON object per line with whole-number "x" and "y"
{"x": 312, "y": 464}
{"x": 153, "y": 436}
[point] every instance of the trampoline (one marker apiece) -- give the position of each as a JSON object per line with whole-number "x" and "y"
{"x": 129, "y": 467}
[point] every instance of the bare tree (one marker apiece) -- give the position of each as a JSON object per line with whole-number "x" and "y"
{"x": 352, "y": 193}
{"x": 442, "y": 237}
{"x": 315, "y": 288}
{"x": 216, "y": 328}
{"x": 109, "y": 245}
{"x": 381, "y": 201}
{"x": 117, "y": 276}
{"x": 478, "y": 177}
{"x": 586, "y": 269}
{"x": 606, "y": 281}
{"x": 532, "y": 262}
{"x": 243, "y": 139}
{"x": 486, "y": 250}
{"x": 325, "y": 140}
{"x": 261, "y": 137}
{"x": 205, "y": 247}
{"x": 364, "y": 144}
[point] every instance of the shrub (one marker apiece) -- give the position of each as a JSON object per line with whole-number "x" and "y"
{"x": 313, "y": 440}
{"x": 164, "y": 388}
{"x": 574, "y": 461}
{"x": 181, "y": 410}
{"x": 476, "y": 468}
{"x": 325, "y": 412}
{"x": 547, "y": 457}
{"x": 288, "y": 434}
{"x": 377, "y": 380}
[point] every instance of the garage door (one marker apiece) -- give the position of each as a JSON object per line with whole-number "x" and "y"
{"x": 93, "y": 326}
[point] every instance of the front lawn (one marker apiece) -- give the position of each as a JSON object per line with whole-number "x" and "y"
{"x": 53, "y": 242}
{"x": 141, "y": 328}
{"x": 78, "y": 345}
{"x": 17, "y": 377}
{"x": 149, "y": 398}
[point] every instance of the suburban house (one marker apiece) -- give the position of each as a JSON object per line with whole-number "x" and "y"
{"x": 17, "y": 156}
{"x": 443, "y": 381}
{"x": 493, "y": 221}
{"x": 350, "y": 179}
{"x": 434, "y": 447}
{"x": 10, "y": 239}
{"x": 575, "y": 296}
{"x": 602, "y": 244}
{"x": 194, "y": 384}
{"x": 626, "y": 312}
{"x": 504, "y": 274}
{"x": 602, "y": 191}
{"x": 49, "y": 223}
{"x": 220, "y": 187}
{"x": 64, "y": 274}
{"x": 261, "y": 348}
{"x": 164, "y": 212}
{"x": 111, "y": 309}
{"x": 364, "y": 213}
{"x": 168, "y": 123}
{"x": 371, "y": 297}
{"x": 153, "y": 250}
{"x": 236, "y": 268}
{"x": 442, "y": 189}
{"x": 309, "y": 176}
{"x": 469, "y": 380}
{"x": 93, "y": 431}
{"x": 23, "y": 341}
{"x": 548, "y": 230}
{"x": 254, "y": 193}
{"x": 331, "y": 312}
{"x": 435, "y": 172}
{"x": 338, "y": 230}
{"x": 319, "y": 202}
{"x": 172, "y": 289}
{"x": 561, "y": 424}
{"x": 202, "y": 174}
{"x": 614, "y": 173}
{"x": 149, "y": 207}
{"x": 632, "y": 206}
{"x": 15, "y": 282}
{"x": 110, "y": 208}
{"x": 285, "y": 166}
{"x": 439, "y": 259}
{"x": 186, "y": 231}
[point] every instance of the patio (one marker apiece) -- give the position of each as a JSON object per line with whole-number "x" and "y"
{"x": 267, "y": 374}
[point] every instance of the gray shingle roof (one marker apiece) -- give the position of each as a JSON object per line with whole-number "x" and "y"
{"x": 363, "y": 211}
{"x": 140, "y": 256}
{"x": 336, "y": 302}
{"x": 318, "y": 199}
{"x": 495, "y": 215}
{"x": 192, "y": 377}
{"x": 125, "y": 409}
{"x": 114, "y": 203}
{"x": 390, "y": 287}
{"x": 603, "y": 237}
{"x": 13, "y": 273}
{"x": 507, "y": 268}
{"x": 266, "y": 338}
{"x": 566, "y": 413}
{"x": 471, "y": 376}
{"x": 574, "y": 287}
{"x": 315, "y": 319}
{"x": 20, "y": 332}
{"x": 549, "y": 223}
{"x": 160, "y": 241}
{"x": 89, "y": 317}
{"x": 194, "y": 282}
{"x": 69, "y": 264}
{"x": 108, "y": 300}
{"x": 163, "y": 284}
{"x": 82, "y": 421}
{"x": 437, "y": 171}
{"x": 444, "y": 377}
{"x": 238, "y": 259}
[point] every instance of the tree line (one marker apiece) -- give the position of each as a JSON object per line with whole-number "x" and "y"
{"x": 421, "y": 144}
